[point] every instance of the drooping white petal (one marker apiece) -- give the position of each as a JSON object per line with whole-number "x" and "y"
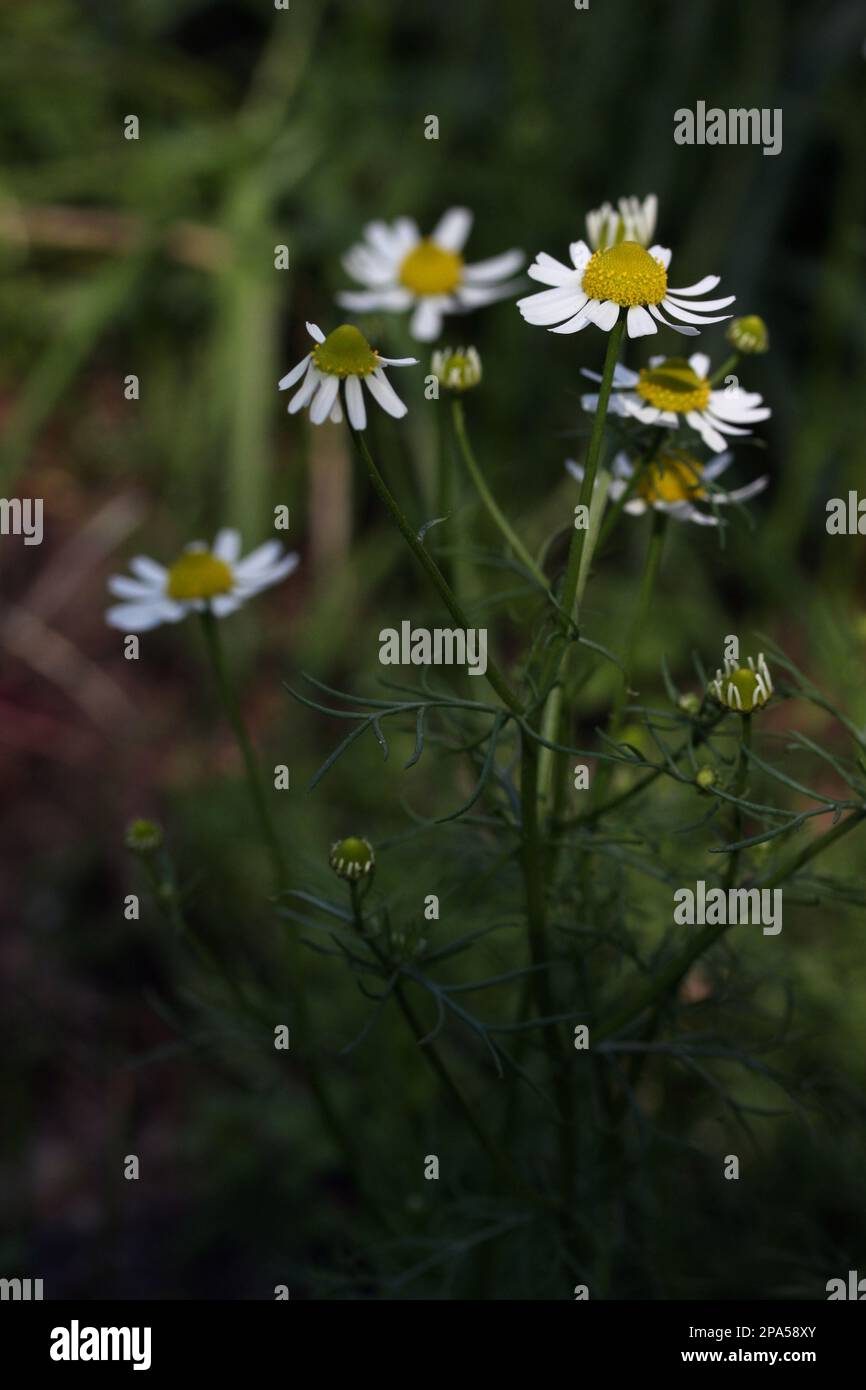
{"x": 142, "y": 617}
{"x": 355, "y": 408}
{"x": 426, "y": 321}
{"x": 452, "y": 229}
{"x": 573, "y": 325}
{"x": 304, "y": 394}
{"x": 678, "y": 328}
{"x": 337, "y": 413}
{"x": 711, "y": 437}
{"x": 639, "y": 323}
{"x": 604, "y": 315}
{"x": 705, "y": 305}
{"x": 324, "y": 399}
{"x": 224, "y": 604}
{"x": 294, "y": 375}
{"x": 716, "y": 467}
{"x": 381, "y": 390}
{"x": 678, "y": 312}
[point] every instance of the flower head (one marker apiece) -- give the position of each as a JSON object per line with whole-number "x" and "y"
{"x": 344, "y": 357}
{"x": 631, "y": 220}
{"x": 403, "y": 270}
{"x": 675, "y": 389}
{"x": 352, "y": 858}
{"x": 200, "y": 578}
{"x": 620, "y": 274}
{"x": 459, "y": 370}
{"x": 749, "y": 334}
{"x": 743, "y": 688}
{"x": 673, "y": 482}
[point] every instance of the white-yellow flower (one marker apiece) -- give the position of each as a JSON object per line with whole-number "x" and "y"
{"x": 344, "y": 357}
{"x": 673, "y": 483}
{"x": 672, "y": 389}
{"x": 215, "y": 578}
{"x": 403, "y": 270}
{"x": 599, "y": 285}
{"x": 630, "y": 220}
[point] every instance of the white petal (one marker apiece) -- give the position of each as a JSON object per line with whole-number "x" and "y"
{"x": 716, "y": 467}
{"x": 552, "y": 306}
{"x": 381, "y": 390}
{"x": 495, "y": 268}
{"x": 398, "y": 361}
{"x": 580, "y": 254}
{"x": 294, "y": 375}
{"x": 258, "y": 560}
{"x": 141, "y": 617}
{"x": 551, "y": 271}
{"x": 224, "y": 604}
{"x": 148, "y": 569}
{"x": 710, "y": 436}
{"x": 355, "y": 407}
{"x": 124, "y": 587}
{"x": 392, "y": 300}
{"x": 370, "y": 268}
{"x": 705, "y": 305}
{"x": 337, "y": 413}
{"x": 383, "y": 238}
{"x": 227, "y": 545}
{"x": 324, "y": 400}
{"x": 575, "y": 469}
{"x": 308, "y": 386}
{"x": 315, "y": 332}
{"x": 639, "y": 323}
{"x": 573, "y": 325}
{"x": 426, "y": 321}
{"x": 687, "y": 332}
{"x": 452, "y": 229}
{"x": 605, "y": 315}
{"x": 700, "y": 364}
{"x": 473, "y": 296}
{"x": 678, "y": 312}
{"x": 741, "y": 494}
{"x": 709, "y": 282}
{"x": 661, "y": 253}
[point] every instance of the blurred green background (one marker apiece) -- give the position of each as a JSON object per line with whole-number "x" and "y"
{"x": 155, "y": 257}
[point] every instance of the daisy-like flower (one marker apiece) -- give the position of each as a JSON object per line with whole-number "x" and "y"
{"x": 344, "y": 356}
{"x": 671, "y": 388}
{"x": 215, "y": 578}
{"x": 673, "y": 483}
{"x": 743, "y": 688}
{"x": 631, "y": 220}
{"x": 403, "y": 270}
{"x": 598, "y": 285}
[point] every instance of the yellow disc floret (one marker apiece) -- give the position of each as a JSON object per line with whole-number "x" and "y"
{"x": 674, "y": 386}
{"x": 626, "y": 274}
{"x": 430, "y": 269}
{"x": 345, "y": 352}
{"x": 671, "y": 479}
{"x": 198, "y": 575}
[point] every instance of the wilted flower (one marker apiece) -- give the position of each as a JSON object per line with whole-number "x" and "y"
{"x": 743, "y": 688}
{"x": 403, "y": 270}
{"x": 199, "y": 579}
{"x": 344, "y": 356}
{"x": 457, "y": 370}
{"x": 672, "y": 389}
{"x": 352, "y": 858}
{"x": 749, "y": 334}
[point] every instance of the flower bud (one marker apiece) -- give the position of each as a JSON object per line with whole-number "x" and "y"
{"x": 457, "y": 370}
{"x": 352, "y": 858}
{"x": 749, "y": 334}
{"x": 705, "y": 777}
{"x": 743, "y": 688}
{"x": 143, "y": 836}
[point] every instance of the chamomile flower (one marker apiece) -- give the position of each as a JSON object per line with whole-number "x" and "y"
{"x": 630, "y": 220}
{"x": 403, "y": 270}
{"x": 628, "y": 276}
{"x": 201, "y": 578}
{"x": 673, "y": 483}
{"x": 344, "y": 356}
{"x": 671, "y": 389}
{"x": 743, "y": 688}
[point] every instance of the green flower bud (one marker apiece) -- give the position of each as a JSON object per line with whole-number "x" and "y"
{"x": 749, "y": 334}
{"x": 689, "y": 703}
{"x": 352, "y": 858}
{"x": 706, "y": 777}
{"x": 143, "y": 836}
{"x": 457, "y": 370}
{"x": 743, "y": 688}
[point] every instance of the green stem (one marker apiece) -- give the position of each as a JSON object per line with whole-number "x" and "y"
{"x": 433, "y": 572}
{"x": 230, "y": 705}
{"x": 727, "y": 366}
{"x": 737, "y": 789}
{"x": 520, "y": 550}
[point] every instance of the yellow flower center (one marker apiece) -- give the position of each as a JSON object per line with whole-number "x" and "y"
{"x": 345, "y": 352}
{"x": 627, "y": 274}
{"x": 198, "y": 575}
{"x": 750, "y": 691}
{"x": 430, "y": 269}
{"x": 675, "y": 386}
{"x": 671, "y": 479}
